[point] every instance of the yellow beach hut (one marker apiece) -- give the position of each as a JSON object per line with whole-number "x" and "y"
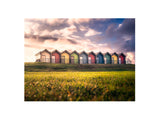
{"x": 65, "y": 57}
{"x": 114, "y": 58}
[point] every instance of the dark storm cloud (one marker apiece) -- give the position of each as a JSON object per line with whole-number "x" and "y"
{"x": 128, "y": 27}
{"x": 41, "y": 38}
{"x": 72, "y": 41}
{"x": 129, "y": 45}
{"x": 122, "y": 36}
{"x": 111, "y": 30}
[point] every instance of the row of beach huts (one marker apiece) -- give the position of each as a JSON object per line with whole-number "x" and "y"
{"x": 66, "y": 57}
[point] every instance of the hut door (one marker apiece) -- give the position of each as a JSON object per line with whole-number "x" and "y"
{"x": 112, "y": 60}
{"x": 97, "y": 60}
{"x": 63, "y": 59}
{"x": 72, "y": 59}
{"x": 53, "y": 59}
{"x": 119, "y": 60}
{"x": 89, "y": 60}
{"x": 43, "y": 58}
{"x": 81, "y": 60}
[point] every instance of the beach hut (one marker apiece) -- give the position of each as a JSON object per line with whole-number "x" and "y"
{"x": 100, "y": 58}
{"x": 114, "y": 58}
{"x": 122, "y": 58}
{"x": 83, "y": 58}
{"x": 107, "y": 57}
{"x": 43, "y": 56}
{"x": 74, "y": 57}
{"x": 65, "y": 56}
{"x": 91, "y": 58}
{"x": 55, "y": 57}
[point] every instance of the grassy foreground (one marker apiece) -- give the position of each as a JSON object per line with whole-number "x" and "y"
{"x": 79, "y": 86}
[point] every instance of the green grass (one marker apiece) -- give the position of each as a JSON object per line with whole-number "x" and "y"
{"x": 78, "y": 86}
{"x": 48, "y": 67}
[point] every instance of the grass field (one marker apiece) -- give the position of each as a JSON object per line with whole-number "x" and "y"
{"x": 70, "y": 83}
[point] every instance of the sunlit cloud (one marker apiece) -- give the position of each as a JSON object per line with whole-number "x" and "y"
{"x": 92, "y": 32}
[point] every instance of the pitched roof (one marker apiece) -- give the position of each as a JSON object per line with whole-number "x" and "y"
{"x": 65, "y": 52}
{"x": 107, "y": 53}
{"x": 115, "y": 54}
{"x": 100, "y": 53}
{"x": 45, "y": 50}
{"x": 55, "y": 51}
{"x": 92, "y": 53}
{"x": 83, "y": 52}
{"x": 75, "y": 52}
{"x": 122, "y": 54}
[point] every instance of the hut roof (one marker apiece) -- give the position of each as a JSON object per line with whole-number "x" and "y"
{"x": 84, "y": 53}
{"x": 100, "y": 53}
{"x": 75, "y": 52}
{"x": 55, "y": 51}
{"x": 45, "y": 50}
{"x": 115, "y": 54}
{"x": 107, "y": 53}
{"x": 92, "y": 53}
{"x": 65, "y": 52}
{"x": 122, "y": 54}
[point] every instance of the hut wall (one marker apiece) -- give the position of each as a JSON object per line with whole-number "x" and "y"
{"x": 66, "y": 57}
{"x": 93, "y": 59}
{"x": 108, "y": 59}
{"x": 114, "y": 59}
{"x": 75, "y": 60}
{"x": 45, "y": 57}
{"x": 84, "y": 59}
{"x": 122, "y": 59}
{"x": 57, "y": 57}
{"x": 100, "y": 59}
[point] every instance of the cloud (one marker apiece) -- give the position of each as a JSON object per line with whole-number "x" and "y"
{"x": 75, "y": 36}
{"x": 72, "y": 21}
{"x": 92, "y": 32}
{"x": 49, "y": 21}
{"x": 67, "y": 31}
{"x": 31, "y": 28}
{"x": 82, "y": 28}
{"x": 122, "y": 36}
{"x": 127, "y": 27}
{"x": 111, "y": 30}
{"x": 40, "y": 38}
{"x": 72, "y": 41}
{"x": 130, "y": 56}
{"x": 129, "y": 45}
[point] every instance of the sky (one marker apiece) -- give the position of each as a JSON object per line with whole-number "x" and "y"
{"x": 80, "y": 34}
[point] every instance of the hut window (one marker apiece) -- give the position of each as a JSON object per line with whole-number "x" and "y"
{"x": 105, "y": 60}
{"x": 81, "y": 60}
{"x": 119, "y": 60}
